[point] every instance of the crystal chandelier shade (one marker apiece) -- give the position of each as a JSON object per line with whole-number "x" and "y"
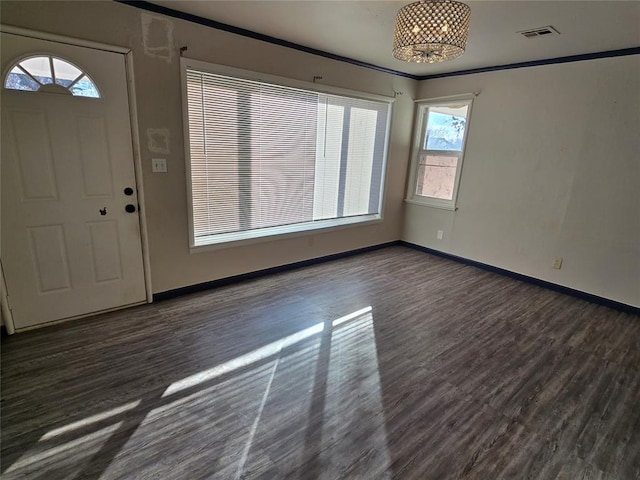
{"x": 431, "y": 31}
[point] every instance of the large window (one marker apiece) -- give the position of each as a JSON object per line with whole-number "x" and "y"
{"x": 270, "y": 158}
{"x": 438, "y": 152}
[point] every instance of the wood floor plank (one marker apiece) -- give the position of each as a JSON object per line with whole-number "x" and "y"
{"x": 392, "y": 364}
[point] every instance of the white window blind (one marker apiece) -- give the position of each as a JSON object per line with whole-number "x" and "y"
{"x": 264, "y": 156}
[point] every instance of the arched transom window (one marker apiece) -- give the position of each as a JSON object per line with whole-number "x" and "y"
{"x": 52, "y": 74}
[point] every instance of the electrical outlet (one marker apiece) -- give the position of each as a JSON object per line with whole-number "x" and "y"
{"x": 159, "y": 165}
{"x": 557, "y": 263}
{"x": 440, "y": 235}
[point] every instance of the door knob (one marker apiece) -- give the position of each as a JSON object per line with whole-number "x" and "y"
{"x": 130, "y": 208}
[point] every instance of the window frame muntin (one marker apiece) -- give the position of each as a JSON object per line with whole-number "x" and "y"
{"x": 419, "y": 137}
{"x": 286, "y": 231}
{"x": 17, "y": 61}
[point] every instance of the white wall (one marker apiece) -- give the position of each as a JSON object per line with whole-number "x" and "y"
{"x": 155, "y": 41}
{"x": 552, "y": 168}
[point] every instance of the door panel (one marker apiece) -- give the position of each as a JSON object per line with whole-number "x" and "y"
{"x": 94, "y": 156}
{"x": 69, "y": 248}
{"x": 105, "y": 250}
{"x": 50, "y": 260}
{"x": 32, "y": 141}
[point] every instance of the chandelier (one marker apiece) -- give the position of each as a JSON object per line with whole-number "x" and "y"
{"x": 431, "y": 31}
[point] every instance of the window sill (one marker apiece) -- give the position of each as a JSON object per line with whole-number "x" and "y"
{"x": 451, "y": 208}
{"x": 238, "y": 239}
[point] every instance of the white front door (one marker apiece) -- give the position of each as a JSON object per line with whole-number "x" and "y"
{"x": 69, "y": 244}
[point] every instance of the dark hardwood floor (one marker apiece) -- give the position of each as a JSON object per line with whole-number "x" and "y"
{"x": 390, "y": 364}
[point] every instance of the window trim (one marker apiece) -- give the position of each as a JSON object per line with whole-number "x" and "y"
{"x": 422, "y": 108}
{"x": 285, "y": 231}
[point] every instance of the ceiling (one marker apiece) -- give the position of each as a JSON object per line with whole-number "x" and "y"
{"x": 362, "y": 29}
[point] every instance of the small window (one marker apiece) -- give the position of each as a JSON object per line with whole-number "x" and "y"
{"x": 439, "y": 150}
{"x": 47, "y": 73}
{"x": 268, "y": 159}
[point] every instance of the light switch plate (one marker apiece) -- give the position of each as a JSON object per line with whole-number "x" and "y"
{"x": 557, "y": 263}
{"x": 159, "y": 165}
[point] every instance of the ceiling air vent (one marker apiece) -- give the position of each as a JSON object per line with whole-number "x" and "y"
{"x": 539, "y": 32}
